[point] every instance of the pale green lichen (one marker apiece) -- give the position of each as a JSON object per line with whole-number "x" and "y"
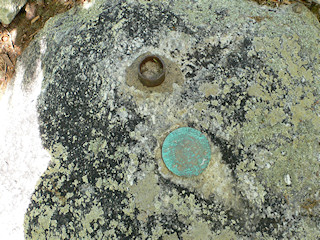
{"x": 96, "y": 213}
{"x": 145, "y": 193}
{"x": 297, "y": 155}
{"x": 198, "y": 230}
{"x": 209, "y": 89}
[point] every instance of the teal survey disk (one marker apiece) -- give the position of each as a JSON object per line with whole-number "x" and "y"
{"x": 186, "y": 152}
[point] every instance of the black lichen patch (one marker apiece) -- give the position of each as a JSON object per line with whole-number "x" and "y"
{"x": 148, "y": 21}
{"x": 272, "y": 223}
{"x": 172, "y": 224}
{"x": 230, "y": 154}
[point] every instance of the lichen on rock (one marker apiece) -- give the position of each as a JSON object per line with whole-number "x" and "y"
{"x": 252, "y": 87}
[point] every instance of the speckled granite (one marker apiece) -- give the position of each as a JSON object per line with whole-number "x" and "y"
{"x": 246, "y": 76}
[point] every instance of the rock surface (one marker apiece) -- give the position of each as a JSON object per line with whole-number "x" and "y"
{"x": 9, "y": 9}
{"x": 246, "y": 76}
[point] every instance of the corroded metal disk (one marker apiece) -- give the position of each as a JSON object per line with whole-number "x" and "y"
{"x": 186, "y": 152}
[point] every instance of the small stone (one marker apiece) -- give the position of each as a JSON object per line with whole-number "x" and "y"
{"x": 297, "y": 8}
{"x": 30, "y": 10}
{"x": 287, "y": 179}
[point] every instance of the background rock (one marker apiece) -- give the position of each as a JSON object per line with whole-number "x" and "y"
{"x": 246, "y": 76}
{"x": 9, "y": 9}
{"x": 22, "y": 156}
